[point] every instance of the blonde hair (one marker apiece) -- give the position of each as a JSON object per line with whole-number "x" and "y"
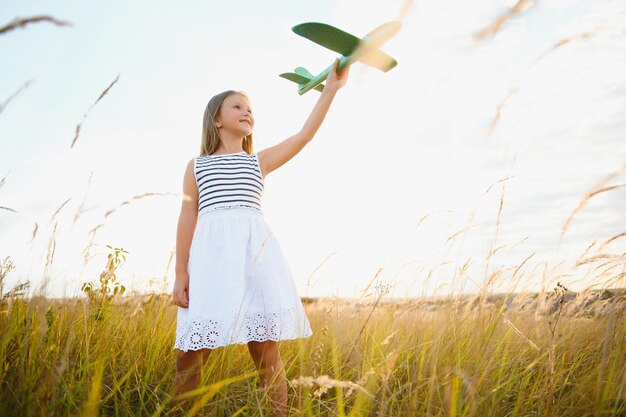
{"x": 210, "y": 140}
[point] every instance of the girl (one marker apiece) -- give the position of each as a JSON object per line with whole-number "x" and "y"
{"x": 233, "y": 284}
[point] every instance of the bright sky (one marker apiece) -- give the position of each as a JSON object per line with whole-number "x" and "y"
{"x": 394, "y": 147}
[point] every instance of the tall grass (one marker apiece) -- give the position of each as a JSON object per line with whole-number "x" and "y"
{"x": 470, "y": 356}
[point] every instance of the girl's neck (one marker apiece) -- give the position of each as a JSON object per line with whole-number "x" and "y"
{"x": 230, "y": 153}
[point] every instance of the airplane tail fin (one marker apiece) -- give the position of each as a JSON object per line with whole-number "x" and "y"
{"x": 304, "y": 72}
{"x": 301, "y": 76}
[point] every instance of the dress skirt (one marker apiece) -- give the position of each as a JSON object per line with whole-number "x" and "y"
{"x": 240, "y": 284}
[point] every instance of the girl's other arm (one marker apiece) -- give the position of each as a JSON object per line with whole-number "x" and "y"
{"x": 184, "y": 235}
{"x": 275, "y": 156}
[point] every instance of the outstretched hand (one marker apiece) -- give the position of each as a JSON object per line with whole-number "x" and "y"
{"x": 336, "y": 80}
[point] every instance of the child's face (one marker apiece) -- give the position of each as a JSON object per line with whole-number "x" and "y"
{"x": 236, "y": 115}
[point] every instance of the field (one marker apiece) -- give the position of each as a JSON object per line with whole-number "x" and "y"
{"x": 552, "y": 354}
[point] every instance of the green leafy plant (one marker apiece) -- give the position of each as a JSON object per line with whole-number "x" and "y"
{"x": 101, "y": 296}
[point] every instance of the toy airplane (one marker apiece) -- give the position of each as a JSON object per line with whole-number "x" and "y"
{"x": 351, "y": 48}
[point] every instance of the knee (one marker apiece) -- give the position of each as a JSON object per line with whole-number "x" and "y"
{"x": 185, "y": 360}
{"x": 264, "y": 353}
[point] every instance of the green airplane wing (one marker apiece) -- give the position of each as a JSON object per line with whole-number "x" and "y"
{"x": 344, "y": 43}
{"x": 379, "y": 59}
{"x": 328, "y": 36}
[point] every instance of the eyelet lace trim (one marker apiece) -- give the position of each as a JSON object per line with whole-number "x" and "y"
{"x": 210, "y": 332}
{"x": 227, "y": 206}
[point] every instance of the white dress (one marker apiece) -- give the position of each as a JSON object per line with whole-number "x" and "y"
{"x": 240, "y": 284}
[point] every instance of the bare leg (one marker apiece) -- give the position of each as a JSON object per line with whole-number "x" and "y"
{"x": 266, "y": 358}
{"x": 189, "y": 371}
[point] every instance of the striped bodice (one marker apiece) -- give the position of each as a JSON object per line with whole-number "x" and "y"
{"x": 229, "y": 180}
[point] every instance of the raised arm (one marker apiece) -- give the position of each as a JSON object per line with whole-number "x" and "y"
{"x": 275, "y": 156}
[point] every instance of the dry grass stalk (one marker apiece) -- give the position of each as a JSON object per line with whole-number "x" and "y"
{"x": 93, "y": 231}
{"x": 492, "y": 127}
{"x": 96, "y": 102}
{"x": 52, "y": 244}
{"x": 421, "y": 220}
{"x": 518, "y": 243}
{"x": 609, "y": 331}
{"x": 466, "y": 265}
{"x": 498, "y": 182}
{"x": 611, "y": 240}
{"x": 522, "y": 335}
{"x": 598, "y": 257}
{"x": 560, "y": 292}
{"x": 5, "y": 267}
{"x": 20, "y": 22}
{"x": 562, "y": 42}
{"x": 493, "y": 252}
{"x": 465, "y": 229}
{"x": 324, "y": 383}
{"x": 308, "y": 282}
{"x": 81, "y": 207}
{"x": 135, "y": 198}
{"x": 382, "y": 290}
{"x": 599, "y": 188}
{"x": 35, "y": 230}
{"x": 11, "y": 97}
{"x": 495, "y": 235}
{"x": 495, "y": 26}
{"x": 54, "y": 215}
{"x": 364, "y": 292}
{"x": 522, "y": 264}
